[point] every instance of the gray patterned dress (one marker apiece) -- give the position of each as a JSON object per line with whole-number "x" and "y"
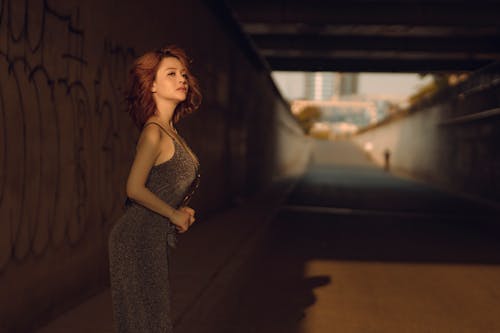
{"x": 139, "y": 246}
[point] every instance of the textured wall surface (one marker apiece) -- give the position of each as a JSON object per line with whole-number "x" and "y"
{"x": 66, "y": 145}
{"x": 452, "y": 141}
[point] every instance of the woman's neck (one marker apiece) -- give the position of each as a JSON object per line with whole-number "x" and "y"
{"x": 164, "y": 118}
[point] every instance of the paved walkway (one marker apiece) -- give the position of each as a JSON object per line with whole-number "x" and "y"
{"x": 348, "y": 248}
{"x": 355, "y": 249}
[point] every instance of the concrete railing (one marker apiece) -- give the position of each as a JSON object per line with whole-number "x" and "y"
{"x": 450, "y": 139}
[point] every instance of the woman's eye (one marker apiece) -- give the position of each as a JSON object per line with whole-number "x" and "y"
{"x": 185, "y": 75}
{"x": 171, "y": 73}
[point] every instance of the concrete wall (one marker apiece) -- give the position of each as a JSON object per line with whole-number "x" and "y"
{"x": 451, "y": 140}
{"x": 66, "y": 145}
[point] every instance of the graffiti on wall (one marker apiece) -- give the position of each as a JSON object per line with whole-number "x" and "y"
{"x": 60, "y": 142}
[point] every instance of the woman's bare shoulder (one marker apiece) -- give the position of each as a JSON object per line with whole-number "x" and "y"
{"x": 153, "y": 135}
{"x": 150, "y": 135}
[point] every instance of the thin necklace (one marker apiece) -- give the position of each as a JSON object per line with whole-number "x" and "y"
{"x": 173, "y": 128}
{"x": 186, "y": 147}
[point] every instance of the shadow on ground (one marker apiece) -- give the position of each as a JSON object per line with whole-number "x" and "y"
{"x": 355, "y": 249}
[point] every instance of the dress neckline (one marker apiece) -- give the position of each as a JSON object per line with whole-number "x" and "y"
{"x": 180, "y": 141}
{"x": 171, "y": 158}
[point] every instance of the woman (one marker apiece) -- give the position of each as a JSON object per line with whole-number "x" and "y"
{"x": 163, "y": 176}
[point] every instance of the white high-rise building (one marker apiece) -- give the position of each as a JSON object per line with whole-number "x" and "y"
{"x": 326, "y": 85}
{"x": 320, "y": 86}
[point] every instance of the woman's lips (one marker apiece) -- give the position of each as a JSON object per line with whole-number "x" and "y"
{"x": 182, "y": 89}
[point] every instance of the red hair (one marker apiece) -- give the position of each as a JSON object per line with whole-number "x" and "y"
{"x": 140, "y": 102}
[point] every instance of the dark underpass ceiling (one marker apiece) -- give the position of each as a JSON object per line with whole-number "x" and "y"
{"x": 372, "y": 36}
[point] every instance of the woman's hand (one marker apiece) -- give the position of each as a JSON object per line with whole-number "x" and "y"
{"x": 190, "y": 211}
{"x": 181, "y": 220}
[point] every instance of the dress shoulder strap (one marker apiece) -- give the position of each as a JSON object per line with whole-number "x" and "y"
{"x": 179, "y": 140}
{"x": 163, "y": 129}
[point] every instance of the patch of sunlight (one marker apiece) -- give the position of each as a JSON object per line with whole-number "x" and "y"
{"x": 402, "y": 297}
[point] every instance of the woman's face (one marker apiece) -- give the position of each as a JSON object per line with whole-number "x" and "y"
{"x": 171, "y": 82}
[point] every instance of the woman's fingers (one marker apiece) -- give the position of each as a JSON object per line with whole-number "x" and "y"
{"x": 183, "y": 222}
{"x": 189, "y": 221}
{"x": 183, "y": 229}
{"x": 188, "y": 209}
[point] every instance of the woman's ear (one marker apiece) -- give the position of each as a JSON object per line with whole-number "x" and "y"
{"x": 153, "y": 87}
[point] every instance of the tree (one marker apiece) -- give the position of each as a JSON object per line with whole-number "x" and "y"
{"x": 307, "y": 116}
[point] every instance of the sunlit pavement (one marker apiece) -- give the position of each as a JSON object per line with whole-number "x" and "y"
{"x": 355, "y": 249}
{"x": 351, "y": 248}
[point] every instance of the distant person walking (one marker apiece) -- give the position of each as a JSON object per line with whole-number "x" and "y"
{"x": 163, "y": 176}
{"x": 387, "y": 159}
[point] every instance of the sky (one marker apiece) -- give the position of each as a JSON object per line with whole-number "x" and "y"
{"x": 290, "y": 84}
{"x": 390, "y": 83}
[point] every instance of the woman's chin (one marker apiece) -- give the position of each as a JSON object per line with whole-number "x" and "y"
{"x": 182, "y": 96}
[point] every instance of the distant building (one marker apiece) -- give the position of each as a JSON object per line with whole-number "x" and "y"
{"x": 336, "y": 94}
{"x": 348, "y": 84}
{"x": 319, "y": 86}
{"x": 322, "y": 86}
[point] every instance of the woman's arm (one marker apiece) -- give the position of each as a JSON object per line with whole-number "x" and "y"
{"x": 148, "y": 149}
